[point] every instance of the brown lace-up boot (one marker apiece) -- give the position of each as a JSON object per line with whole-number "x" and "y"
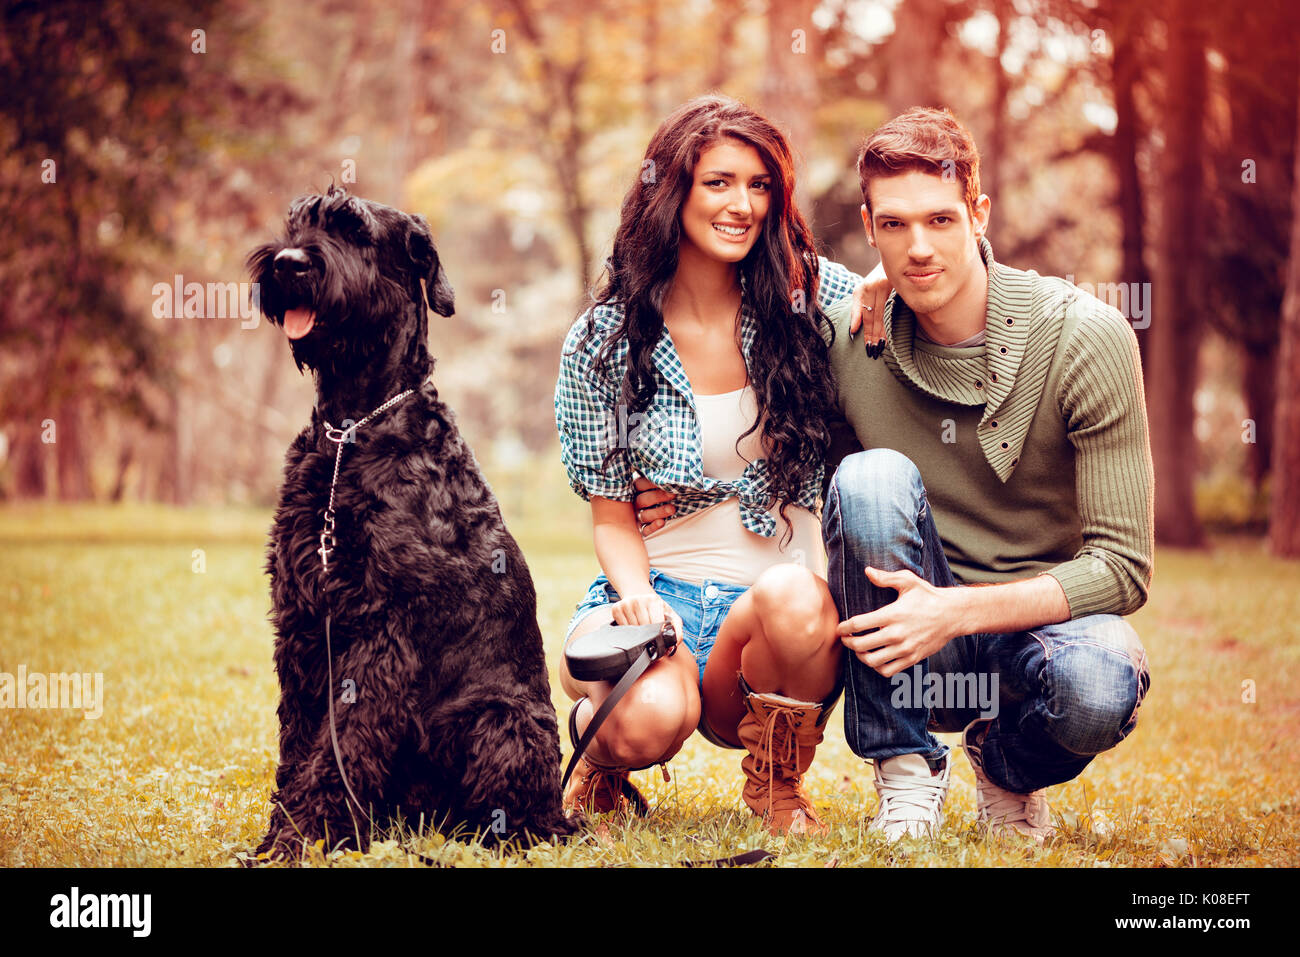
{"x": 595, "y": 789}
{"x": 781, "y": 735}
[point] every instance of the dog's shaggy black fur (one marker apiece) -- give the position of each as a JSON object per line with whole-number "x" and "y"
{"x": 432, "y": 607}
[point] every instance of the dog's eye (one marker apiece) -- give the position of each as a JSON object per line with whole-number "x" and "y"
{"x": 350, "y": 220}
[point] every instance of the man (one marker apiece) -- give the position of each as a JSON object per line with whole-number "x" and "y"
{"x": 1008, "y": 448}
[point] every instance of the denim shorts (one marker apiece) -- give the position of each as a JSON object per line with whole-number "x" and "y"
{"x": 701, "y": 605}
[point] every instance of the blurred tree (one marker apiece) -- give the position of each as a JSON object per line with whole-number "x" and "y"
{"x": 995, "y": 147}
{"x": 989, "y": 77}
{"x": 727, "y": 20}
{"x": 913, "y": 51}
{"x": 555, "y": 113}
{"x": 789, "y": 85}
{"x": 114, "y": 110}
{"x": 1284, "y": 520}
{"x": 173, "y": 162}
{"x": 1252, "y": 162}
{"x": 1124, "y": 24}
{"x": 1175, "y": 335}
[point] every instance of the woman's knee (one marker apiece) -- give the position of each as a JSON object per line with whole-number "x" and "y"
{"x": 593, "y": 620}
{"x": 795, "y": 611}
{"x": 652, "y": 721}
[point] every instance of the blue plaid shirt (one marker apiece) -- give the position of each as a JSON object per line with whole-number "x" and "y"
{"x": 662, "y": 443}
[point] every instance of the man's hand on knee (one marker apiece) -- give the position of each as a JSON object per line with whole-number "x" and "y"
{"x": 908, "y": 630}
{"x": 653, "y": 505}
{"x": 924, "y": 618}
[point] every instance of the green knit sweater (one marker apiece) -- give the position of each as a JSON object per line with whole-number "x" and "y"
{"x": 1033, "y": 447}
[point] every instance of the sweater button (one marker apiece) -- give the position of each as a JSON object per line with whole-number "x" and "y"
{"x": 993, "y": 423}
{"x": 994, "y": 376}
{"x": 1002, "y": 349}
{"x": 979, "y": 384}
{"x": 1005, "y": 445}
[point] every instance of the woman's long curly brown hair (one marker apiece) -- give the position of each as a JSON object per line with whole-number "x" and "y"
{"x": 788, "y": 364}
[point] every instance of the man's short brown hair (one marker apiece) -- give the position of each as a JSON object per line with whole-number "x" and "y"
{"x": 928, "y": 140}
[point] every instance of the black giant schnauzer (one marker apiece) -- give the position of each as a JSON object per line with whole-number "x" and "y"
{"x": 442, "y": 704}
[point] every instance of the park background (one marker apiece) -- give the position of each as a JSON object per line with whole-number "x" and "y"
{"x": 1147, "y": 150}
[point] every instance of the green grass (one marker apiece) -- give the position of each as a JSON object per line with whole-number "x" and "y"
{"x": 178, "y": 769}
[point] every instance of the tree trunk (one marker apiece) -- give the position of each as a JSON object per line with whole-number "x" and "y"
{"x": 1126, "y": 69}
{"x": 995, "y": 150}
{"x": 1284, "y": 520}
{"x": 790, "y": 81}
{"x": 409, "y": 78}
{"x": 29, "y": 457}
{"x": 650, "y": 82}
{"x": 124, "y": 457}
{"x": 911, "y": 54}
{"x": 1259, "y": 388}
{"x": 1253, "y": 240}
{"x": 563, "y": 138}
{"x": 1175, "y": 332}
{"x": 569, "y": 172}
{"x": 178, "y": 472}
{"x": 268, "y": 451}
{"x": 72, "y": 452}
{"x": 728, "y": 16}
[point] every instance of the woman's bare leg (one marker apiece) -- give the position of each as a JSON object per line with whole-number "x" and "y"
{"x": 652, "y": 721}
{"x": 781, "y": 635}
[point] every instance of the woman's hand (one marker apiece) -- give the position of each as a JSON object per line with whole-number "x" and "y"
{"x": 645, "y": 609}
{"x": 869, "y": 298}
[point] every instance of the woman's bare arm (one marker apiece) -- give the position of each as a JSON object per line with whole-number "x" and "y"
{"x": 623, "y": 558}
{"x": 619, "y": 548}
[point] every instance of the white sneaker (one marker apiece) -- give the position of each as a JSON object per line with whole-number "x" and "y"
{"x": 911, "y": 797}
{"x": 999, "y": 811}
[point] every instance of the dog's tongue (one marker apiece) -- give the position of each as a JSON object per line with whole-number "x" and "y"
{"x": 298, "y": 322}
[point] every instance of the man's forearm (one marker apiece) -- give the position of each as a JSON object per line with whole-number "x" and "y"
{"x": 1012, "y": 606}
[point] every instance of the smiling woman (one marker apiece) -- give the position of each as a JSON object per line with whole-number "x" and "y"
{"x": 709, "y": 330}
{"x": 727, "y": 203}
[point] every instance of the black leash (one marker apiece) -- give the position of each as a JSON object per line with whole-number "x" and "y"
{"x": 757, "y": 856}
{"x": 340, "y": 437}
{"x": 602, "y": 665}
{"x": 635, "y": 671}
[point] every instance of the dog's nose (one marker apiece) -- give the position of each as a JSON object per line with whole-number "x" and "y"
{"x": 291, "y": 262}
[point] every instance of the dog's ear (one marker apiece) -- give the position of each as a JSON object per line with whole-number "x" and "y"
{"x": 424, "y": 258}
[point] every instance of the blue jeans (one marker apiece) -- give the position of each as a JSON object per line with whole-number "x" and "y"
{"x": 1066, "y": 692}
{"x": 703, "y": 606}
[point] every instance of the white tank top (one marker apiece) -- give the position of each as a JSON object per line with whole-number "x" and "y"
{"x": 712, "y": 544}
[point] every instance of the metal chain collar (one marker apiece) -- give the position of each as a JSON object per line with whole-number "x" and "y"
{"x": 339, "y": 437}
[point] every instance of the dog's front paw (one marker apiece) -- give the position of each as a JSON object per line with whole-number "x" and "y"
{"x": 556, "y": 828}
{"x": 573, "y": 822}
{"x": 278, "y": 845}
